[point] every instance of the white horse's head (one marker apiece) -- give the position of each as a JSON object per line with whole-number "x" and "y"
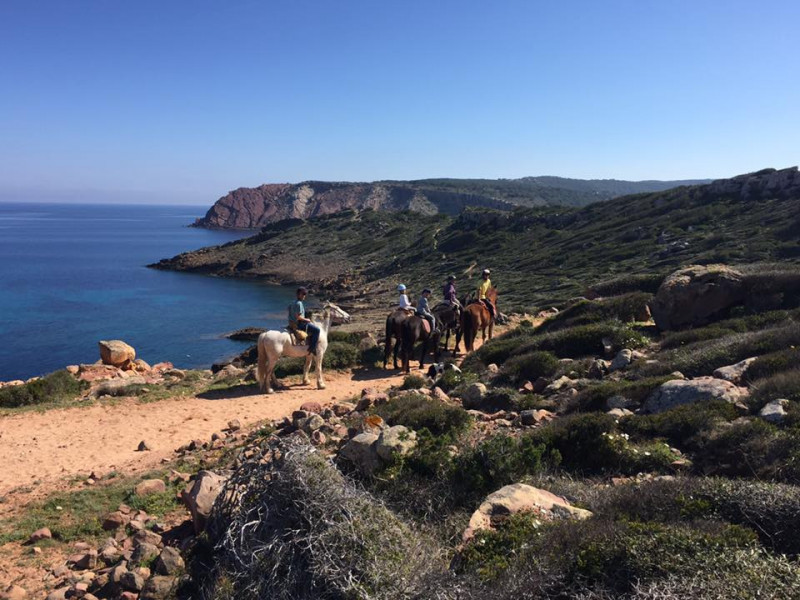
{"x": 336, "y": 314}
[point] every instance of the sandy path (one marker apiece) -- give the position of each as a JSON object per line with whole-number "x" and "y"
{"x": 40, "y": 449}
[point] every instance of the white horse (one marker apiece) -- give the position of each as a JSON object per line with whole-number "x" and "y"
{"x": 274, "y": 344}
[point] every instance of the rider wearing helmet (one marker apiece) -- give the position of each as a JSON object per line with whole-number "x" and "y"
{"x": 404, "y": 302}
{"x": 298, "y": 320}
{"x": 483, "y": 288}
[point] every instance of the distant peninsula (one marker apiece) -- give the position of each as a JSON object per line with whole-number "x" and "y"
{"x": 253, "y": 208}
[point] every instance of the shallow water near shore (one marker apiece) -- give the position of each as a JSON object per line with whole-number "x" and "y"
{"x": 71, "y": 275}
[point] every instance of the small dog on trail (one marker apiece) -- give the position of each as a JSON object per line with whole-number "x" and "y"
{"x": 436, "y": 370}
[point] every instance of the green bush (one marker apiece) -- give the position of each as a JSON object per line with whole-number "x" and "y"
{"x": 720, "y": 329}
{"x": 585, "y": 340}
{"x": 781, "y": 385}
{"x": 414, "y": 382}
{"x": 500, "y": 398}
{"x": 59, "y": 386}
{"x": 347, "y": 337}
{"x": 626, "y": 308}
{"x": 595, "y": 396}
{"x": 530, "y": 366}
{"x": 451, "y": 379}
{"x": 420, "y": 412}
{"x": 702, "y": 358}
{"x": 497, "y": 350}
{"x": 646, "y": 282}
{"x": 495, "y": 462}
{"x": 340, "y": 355}
{"x": 773, "y": 363}
{"x": 683, "y": 426}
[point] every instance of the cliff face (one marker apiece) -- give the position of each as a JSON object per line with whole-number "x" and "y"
{"x": 252, "y": 208}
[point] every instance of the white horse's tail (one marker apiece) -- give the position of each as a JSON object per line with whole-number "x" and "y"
{"x": 261, "y": 371}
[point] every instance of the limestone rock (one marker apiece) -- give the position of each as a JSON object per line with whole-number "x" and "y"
{"x": 775, "y": 411}
{"x": 517, "y": 498}
{"x": 696, "y": 294}
{"x": 200, "y": 497}
{"x": 395, "y": 441}
{"x": 169, "y": 562}
{"x": 116, "y": 353}
{"x": 677, "y": 392}
{"x": 39, "y": 535}
{"x": 158, "y": 587}
{"x": 621, "y": 360}
{"x": 361, "y": 452}
{"x": 473, "y": 395}
{"x": 619, "y": 412}
{"x": 148, "y": 487}
{"x": 734, "y": 373}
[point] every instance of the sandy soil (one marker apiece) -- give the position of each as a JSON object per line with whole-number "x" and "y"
{"x": 39, "y": 449}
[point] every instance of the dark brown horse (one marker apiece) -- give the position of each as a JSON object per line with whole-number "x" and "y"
{"x": 477, "y": 317}
{"x": 415, "y": 329}
{"x": 449, "y": 317}
{"x": 394, "y": 324}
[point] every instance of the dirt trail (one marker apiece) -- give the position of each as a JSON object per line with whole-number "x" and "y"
{"x": 42, "y": 448}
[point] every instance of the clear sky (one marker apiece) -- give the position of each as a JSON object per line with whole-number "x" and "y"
{"x": 185, "y": 100}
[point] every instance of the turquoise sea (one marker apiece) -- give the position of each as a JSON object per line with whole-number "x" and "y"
{"x": 71, "y": 275}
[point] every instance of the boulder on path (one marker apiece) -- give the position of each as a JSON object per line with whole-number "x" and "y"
{"x": 734, "y": 373}
{"x": 517, "y": 498}
{"x": 395, "y": 441}
{"x": 677, "y": 392}
{"x": 775, "y": 411}
{"x": 360, "y": 451}
{"x": 695, "y": 295}
{"x": 116, "y": 353}
{"x": 200, "y": 497}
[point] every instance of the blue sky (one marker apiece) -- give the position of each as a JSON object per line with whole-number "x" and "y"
{"x": 184, "y": 101}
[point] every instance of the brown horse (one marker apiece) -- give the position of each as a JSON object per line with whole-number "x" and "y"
{"x": 477, "y": 317}
{"x": 394, "y": 324}
{"x": 415, "y": 329}
{"x": 449, "y": 318}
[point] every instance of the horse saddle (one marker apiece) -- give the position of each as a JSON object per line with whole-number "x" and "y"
{"x": 426, "y": 325}
{"x": 299, "y": 338}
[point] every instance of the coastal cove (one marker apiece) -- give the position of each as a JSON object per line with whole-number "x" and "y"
{"x": 71, "y": 275}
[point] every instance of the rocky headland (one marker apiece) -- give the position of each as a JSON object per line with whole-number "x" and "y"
{"x": 253, "y": 208}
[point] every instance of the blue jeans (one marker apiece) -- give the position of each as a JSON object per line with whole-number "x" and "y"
{"x": 313, "y": 335}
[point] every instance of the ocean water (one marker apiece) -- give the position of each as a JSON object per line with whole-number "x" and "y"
{"x": 71, "y": 275}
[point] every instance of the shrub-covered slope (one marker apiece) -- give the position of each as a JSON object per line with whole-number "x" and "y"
{"x": 537, "y": 255}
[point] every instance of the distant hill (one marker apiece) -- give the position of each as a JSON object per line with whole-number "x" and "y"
{"x": 251, "y": 208}
{"x": 535, "y": 253}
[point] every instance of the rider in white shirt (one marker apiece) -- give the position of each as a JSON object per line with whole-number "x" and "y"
{"x": 403, "y": 302}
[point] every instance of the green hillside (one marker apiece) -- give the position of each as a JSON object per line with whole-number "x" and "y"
{"x": 536, "y": 254}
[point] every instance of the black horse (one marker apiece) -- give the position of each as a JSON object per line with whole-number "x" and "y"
{"x": 416, "y": 329}
{"x": 449, "y": 317}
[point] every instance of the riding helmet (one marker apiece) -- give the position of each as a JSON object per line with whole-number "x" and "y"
{"x": 401, "y": 288}
{"x": 451, "y": 278}
{"x": 486, "y": 271}
{"x": 426, "y": 291}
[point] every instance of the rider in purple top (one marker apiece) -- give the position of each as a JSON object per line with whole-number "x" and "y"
{"x": 449, "y": 291}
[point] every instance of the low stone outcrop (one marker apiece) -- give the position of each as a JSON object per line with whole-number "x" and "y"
{"x": 474, "y": 395}
{"x": 775, "y": 411}
{"x": 517, "y": 498}
{"x": 695, "y": 295}
{"x": 116, "y": 353}
{"x": 199, "y": 497}
{"x": 734, "y": 373}
{"x": 395, "y": 441}
{"x": 677, "y": 392}
{"x": 362, "y": 453}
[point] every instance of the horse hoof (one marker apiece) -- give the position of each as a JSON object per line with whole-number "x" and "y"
{"x": 321, "y": 386}
{"x": 305, "y": 382}
{"x": 270, "y": 391}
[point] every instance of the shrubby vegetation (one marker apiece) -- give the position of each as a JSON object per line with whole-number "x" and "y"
{"x": 59, "y": 386}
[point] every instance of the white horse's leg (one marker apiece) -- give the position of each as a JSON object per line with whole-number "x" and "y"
{"x": 270, "y": 380}
{"x": 306, "y": 369}
{"x": 320, "y": 380}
